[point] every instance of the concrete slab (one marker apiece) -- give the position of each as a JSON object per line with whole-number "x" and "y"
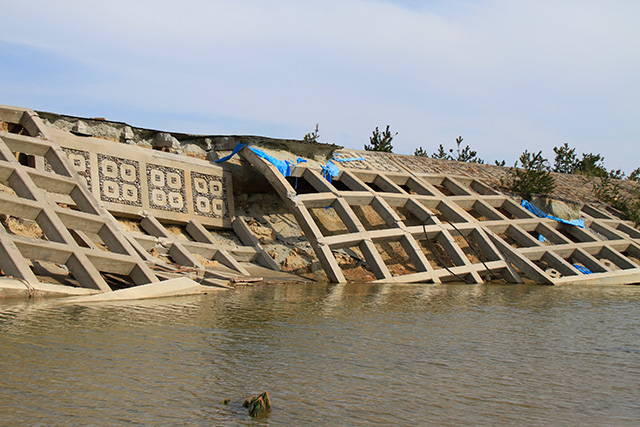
{"x": 11, "y": 288}
{"x": 169, "y": 288}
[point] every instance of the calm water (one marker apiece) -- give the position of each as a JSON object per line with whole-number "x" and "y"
{"x": 329, "y": 355}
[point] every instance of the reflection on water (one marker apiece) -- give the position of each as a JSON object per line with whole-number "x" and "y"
{"x": 329, "y": 355}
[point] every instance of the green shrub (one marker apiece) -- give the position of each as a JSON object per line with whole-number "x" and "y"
{"x": 420, "y": 152}
{"x": 381, "y": 141}
{"x": 609, "y": 190}
{"x": 533, "y": 177}
{"x": 566, "y": 160}
{"x": 461, "y": 155}
{"x": 313, "y": 136}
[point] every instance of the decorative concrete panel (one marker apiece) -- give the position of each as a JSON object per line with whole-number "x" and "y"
{"x": 209, "y": 198}
{"x": 81, "y": 163}
{"x": 167, "y": 189}
{"x": 118, "y": 180}
{"x": 131, "y": 181}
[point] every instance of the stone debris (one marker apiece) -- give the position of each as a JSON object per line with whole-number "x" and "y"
{"x": 165, "y": 140}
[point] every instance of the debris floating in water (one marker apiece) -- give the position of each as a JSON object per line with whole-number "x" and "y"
{"x": 258, "y": 404}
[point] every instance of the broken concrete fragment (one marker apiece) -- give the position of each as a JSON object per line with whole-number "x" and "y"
{"x": 81, "y": 127}
{"x": 564, "y": 210}
{"x": 165, "y": 140}
{"x": 127, "y": 135}
{"x": 194, "y": 149}
{"x": 169, "y": 288}
{"x": 246, "y": 279}
{"x": 265, "y": 235}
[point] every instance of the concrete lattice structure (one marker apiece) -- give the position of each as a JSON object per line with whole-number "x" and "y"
{"x": 418, "y": 208}
{"x": 69, "y": 235}
{"x": 403, "y": 222}
{"x": 67, "y": 187}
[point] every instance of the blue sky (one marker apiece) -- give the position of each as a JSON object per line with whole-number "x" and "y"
{"x": 506, "y": 75}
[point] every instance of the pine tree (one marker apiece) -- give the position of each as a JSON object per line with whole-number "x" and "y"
{"x": 381, "y": 142}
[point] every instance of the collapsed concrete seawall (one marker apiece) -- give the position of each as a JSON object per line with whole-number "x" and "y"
{"x": 93, "y": 204}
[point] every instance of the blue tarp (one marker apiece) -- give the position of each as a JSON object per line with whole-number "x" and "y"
{"x": 541, "y": 214}
{"x": 583, "y": 270}
{"x": 351, "y": 159}
{"x": 239, "y": 146}
{"x": 282, "y": 165}
{"x": 330, "y": 171}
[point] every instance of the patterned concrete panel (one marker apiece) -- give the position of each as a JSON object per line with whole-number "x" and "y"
{"x": 130, "y": 180}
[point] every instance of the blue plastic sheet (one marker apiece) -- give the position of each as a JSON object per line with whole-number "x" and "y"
{"x": 541, "y": 214}
{"x": 282, "y": 165}
{"x": 330, "y": 171}
{"x": 583, "y": 270}
{"x": 239, "y": 146}
{"x": 351, "y": 159}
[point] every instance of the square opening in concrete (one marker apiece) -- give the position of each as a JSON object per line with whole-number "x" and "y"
{"x": 595, "y": 213}
{"x": 480, "y": 211}
{"x": 414, "y": 186}
{"x": 369, "y": 217}
{"x": 328, "y": 221}
{"x": 628, "y": 230}
{"x": 614, "y": 260}
{"x": 438, "y": 250}
{"x": 518, "y": 238}
{"x": 633, "y": 254}
{"x": 11, "y": 127}
{"x": 301, "y": 185}
{"x": 340, "y": 186}
{"x": 554, "y": 267}
{"x": 51, "y": 272}
{"x": 573, "y": 233}
{"x": 408, "y": 217}
{"x": 481, "y": 188}
{"x": 353, "y": 264}
{"x": 550, "y": 235}
{"x": 395, "y": 258}
{"x": 447, "y": 186}
{"x": 444, "y": 211}
{"x": 22, "y": 227}
{"x": 472, "y": 244}
{"x": 26, "y": 160}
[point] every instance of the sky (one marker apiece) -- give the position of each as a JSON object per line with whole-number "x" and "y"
{"x": 507, "y": 76}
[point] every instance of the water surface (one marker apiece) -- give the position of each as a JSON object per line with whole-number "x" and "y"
{"x": 329, "y": 355}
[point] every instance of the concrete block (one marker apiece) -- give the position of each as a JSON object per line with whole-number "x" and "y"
{"x": 169, "y": 288}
